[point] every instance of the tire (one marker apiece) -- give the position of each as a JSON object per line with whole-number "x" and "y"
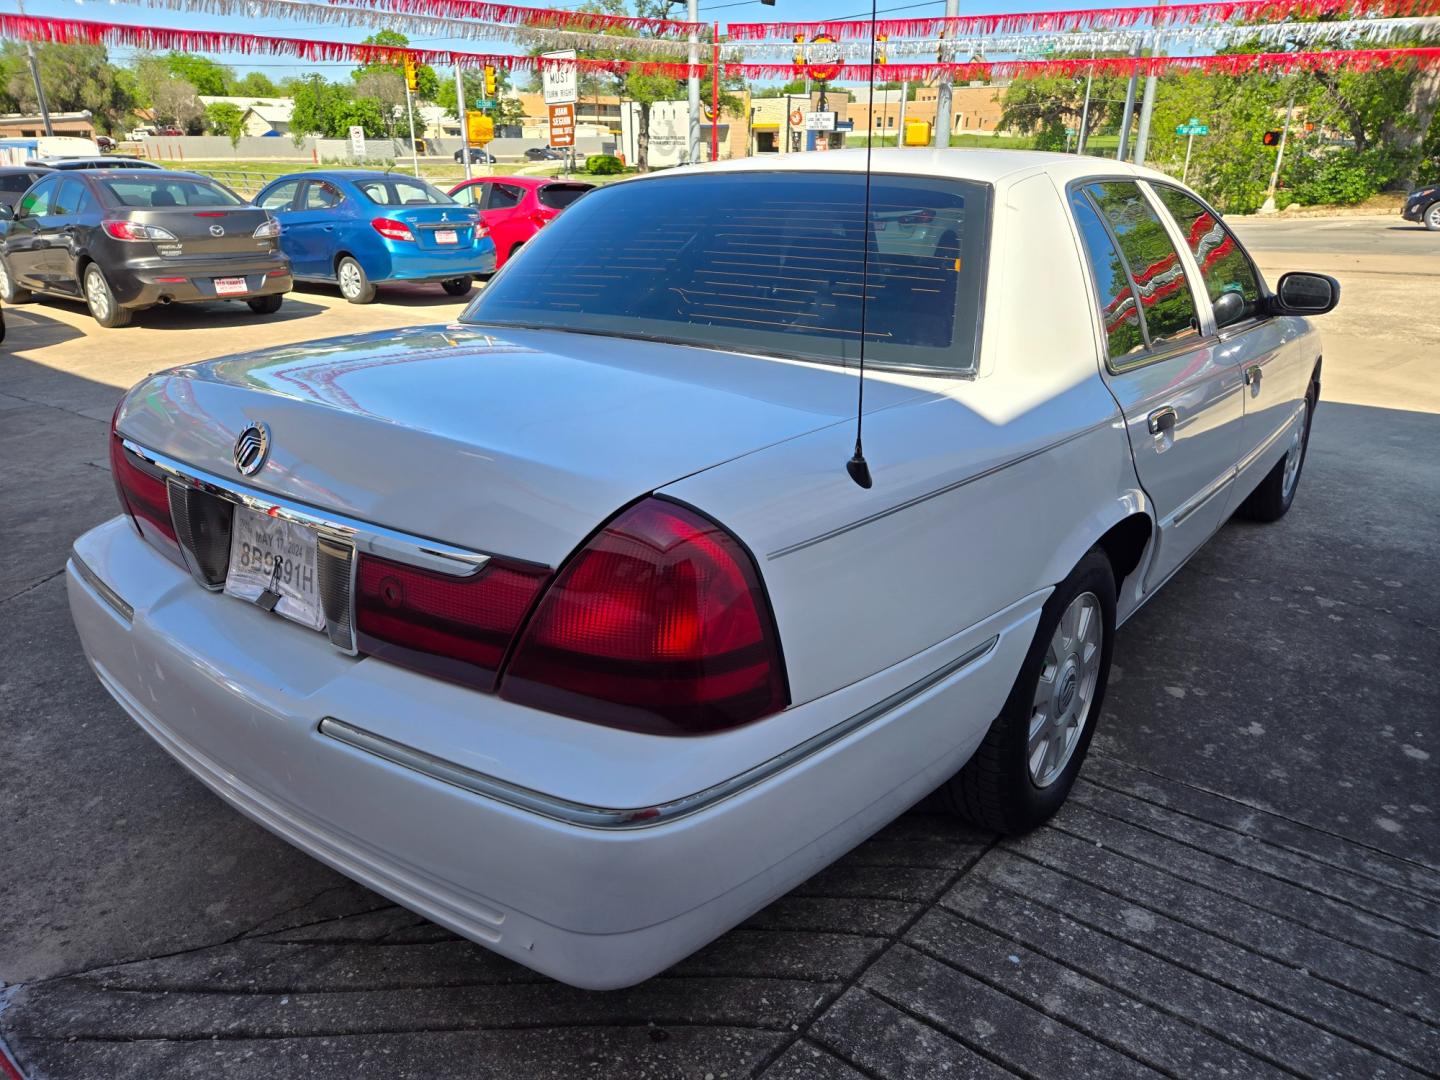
{"x": 355, "y": 286}
{"x": 1271, "y": 499}
{"x": 11, "y": 293}
{"x": 1006, "y": 786}
{"x": 1431, "y": 217}
{"x": 459, "y": 286}
{"x": 266, "y": 305}
{"x": 101, "y": 301}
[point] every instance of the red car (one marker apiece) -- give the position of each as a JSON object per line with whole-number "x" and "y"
{"x": 515, "y": 208}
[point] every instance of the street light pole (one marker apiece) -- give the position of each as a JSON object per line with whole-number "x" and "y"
{"x": 942, "y": 97}
{"x": 1147, "y": 105}
{"x": 410, "y": 112}
{"x": 1120, "y": 151}
{"x": 35, "y": 74}
{"x": 460, "y": 112}
{"x": 692, "y": 84}
{"x": 1269, "y": 205}
{"x": 1085, "y": 109}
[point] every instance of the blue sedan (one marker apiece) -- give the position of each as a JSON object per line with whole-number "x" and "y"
{"x": 360, "y": 228}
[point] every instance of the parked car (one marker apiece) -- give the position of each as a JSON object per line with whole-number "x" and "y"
{"x": 477, "y": 154}
{"x": 1423, "y": 205}
{"x": 109, "y": 161}
{"x": 15, "y": 180}
{"x": 544, "y": 153}
{"x": 105, "y": 142}
{"x": 570, "y": 625}
{"x": 130, "y": 239}
{"x": 515, "y": 208}
{"x": 360, "y": 228}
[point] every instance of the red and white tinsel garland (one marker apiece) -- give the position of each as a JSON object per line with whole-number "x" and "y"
{"x": 539, "y": 18}
{"x": 1082, "y": 19}
{"x": 86, "y": 32}
{"x": 1227, "y": 64}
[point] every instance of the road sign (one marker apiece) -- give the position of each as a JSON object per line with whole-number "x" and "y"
{"x": 483, "y": 103}
{"x": 819, "y": 121}
{"x": 562, "y": 124}
{"x": 357, "y": 142}
{"x": 479, "y": 129}
{"x": 1193, "y": 128}
{"x": 559, "y": 80}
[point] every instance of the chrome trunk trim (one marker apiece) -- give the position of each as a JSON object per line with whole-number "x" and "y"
{"x": 104, "y": 591}
{"x": 598, "y": 817}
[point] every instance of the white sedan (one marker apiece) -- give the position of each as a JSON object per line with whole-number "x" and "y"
{"x": 568, "y": 626}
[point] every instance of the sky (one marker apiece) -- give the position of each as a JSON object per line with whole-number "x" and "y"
{"x": 278, "y": 67}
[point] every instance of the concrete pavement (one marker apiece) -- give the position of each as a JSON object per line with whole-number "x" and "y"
{"x": 1246, "y": 881}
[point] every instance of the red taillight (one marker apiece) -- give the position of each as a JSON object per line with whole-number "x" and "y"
{"x": 143, "y": 496}
{"x": 658, "y": 624}
{"x": 122, "y": 229}
{"x": 454, "y": 628}
{"x": 392, "y": 229}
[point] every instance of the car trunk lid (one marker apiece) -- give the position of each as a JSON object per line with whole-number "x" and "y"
{"x": 206, "y": 232}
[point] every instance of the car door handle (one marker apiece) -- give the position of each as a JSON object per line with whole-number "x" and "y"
{"x": 1162, "y": 420}
{"x": 1253, "y": 374}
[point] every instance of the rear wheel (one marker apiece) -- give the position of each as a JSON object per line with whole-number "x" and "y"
{"x": 459, "y": 286}
{"x": 355, "y": 286}
{"x": 11, "y": 293}
{"x": 1270, "y": 501}
{"x": 1432, "y": 217}
{"x": 266, "y": 305}
{"x": 1023, "y": 770}
{"x": 101, "y": 300}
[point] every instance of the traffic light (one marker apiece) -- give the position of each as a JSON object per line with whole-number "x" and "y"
{"x": 1271, "y": 138}
{"x": 410, "y": 76}
{"x": 490, "y": 82}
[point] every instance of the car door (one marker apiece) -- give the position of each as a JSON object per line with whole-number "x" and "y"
{"x": 504, "y": 216}
{"x": 1179, "y": 390}
{"x": 280, "y": 199}
{"x": 313, "y": 227}
{"x": 24, "y": 244}
{"x": 61, "y": 229}
{"x": 1276, "y": 370}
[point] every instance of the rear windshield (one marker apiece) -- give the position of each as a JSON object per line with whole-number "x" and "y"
{"x": 559, "y": 196}
{"x": 145, "y": 188}
{"x": 762, "y": 262}
{"x": 397, "y": 191}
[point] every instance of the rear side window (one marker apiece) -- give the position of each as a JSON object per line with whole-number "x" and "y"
{"x": 143, "y": 189}
{"x": 281, "y": 196}
{"x": 68, "y": 198}
{"x": 559, "y": 196}
{"x": 1223, "y": 263}
{"x": 397, "y": 191}
{"x": 1166, "y": 302}
{"x": 503, "y": 196}
{"x": 763, "y": 262}
{"x": 320, "y": 195}
{"x": 1119, "y": 311}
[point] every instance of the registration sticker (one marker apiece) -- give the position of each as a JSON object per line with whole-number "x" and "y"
{"x": 230, "y": 286}
{"x": 273, "y": 564}
{"x": 447, "y": 236}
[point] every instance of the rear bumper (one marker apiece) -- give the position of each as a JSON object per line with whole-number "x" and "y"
{"x": 245, "y": 702}
{"x": 136, "y": 287}
{"x": 411, "y": 265}
{"x": 1414, "y": 210}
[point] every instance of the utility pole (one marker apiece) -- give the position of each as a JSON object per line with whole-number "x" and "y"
{"x": 460, "y": 112}
{"x": 35, "y": 74}
{"x": 900, "y": 130}
{"x": 1085, "y": 109}
{"x": 692, "y": 84}
{"x": 1268, "y": 207}
{"x": 942, "y": 97}
{"x": 1123, "y": 148}
{"x": 410, "y": 112}
{"x": 1147, "y": 105}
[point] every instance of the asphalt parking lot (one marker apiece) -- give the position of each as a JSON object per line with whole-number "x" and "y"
{"x": 1245, "y": 883}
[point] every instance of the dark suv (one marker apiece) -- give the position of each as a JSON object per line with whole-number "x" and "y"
{"x": 126, "y": 240}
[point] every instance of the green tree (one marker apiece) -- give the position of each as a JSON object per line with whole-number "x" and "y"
{"x": 507, "y": 111}
{"x": 223, "y": 118}
{"x": 1047, "y": 105}
{"x": 255, "y": 84}
{"x": 795, "y": 86}
{"x": 427, "y": 83}
{"x": 316, "y": 104}
{"x": 204, "y": 74}
{"x": 75, "y": 77}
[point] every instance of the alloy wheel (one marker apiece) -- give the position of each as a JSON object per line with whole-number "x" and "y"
{"x": 350, "y": 281}
{"x": 4, "y": 280}
{"x": 1432, "y": 216}
{"x": 1065, "y": 689}
{"x": 1295, "y": 454}
{"x": 96, "y": 294}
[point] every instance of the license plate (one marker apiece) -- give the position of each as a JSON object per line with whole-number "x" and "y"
{"x": 272, "y": 563}
{"x": 229, "y": 286}
{"x": 446, "y": 236}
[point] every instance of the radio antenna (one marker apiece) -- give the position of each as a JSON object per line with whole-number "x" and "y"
{"x": 857, "y": 466}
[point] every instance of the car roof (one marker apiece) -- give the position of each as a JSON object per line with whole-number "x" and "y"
{"x": 350, "y": 174}
{"x": 10, "y": 170}
{"x": 984, "y": 166}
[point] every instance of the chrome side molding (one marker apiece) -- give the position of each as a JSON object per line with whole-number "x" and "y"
{"x": 105, "y": 592}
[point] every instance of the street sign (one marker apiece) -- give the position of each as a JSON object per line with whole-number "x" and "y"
{"x": 483, "y": 104}
{"x": 479, "y": 129}
{"x": 559, "y": 80}
{"x": 1193, "y": 128}
{"x": 562, "y": 124}
{"x": 357, "y": 142}
{"x": 819, "y": 121}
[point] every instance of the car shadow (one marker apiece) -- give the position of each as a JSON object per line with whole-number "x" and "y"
{"x": 183, "y": 316}
{"x": 29, "y": 329}
{"x": 410, "y": 295}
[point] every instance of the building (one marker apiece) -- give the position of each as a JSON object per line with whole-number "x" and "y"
{"x": 263, "y": 116}
{"x": 778, "y": 124}
{"x": 24, "y": 125}
{"x": 668, "y": 140}
{"x": 975, "y": 109}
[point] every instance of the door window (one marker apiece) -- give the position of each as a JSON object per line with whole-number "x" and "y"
{"x": 470, "y": 195}
{"x": 1224, "y": 266}
{"x": 322, "y": 195}
{"x": 1119, "y": 312}
{"x": 281, "y": 196}
{"x": 1166, "y": 302}
{"x": 67, "y": 198}
{"x": 503, "y": 197}
{"x": 36, "y": 201}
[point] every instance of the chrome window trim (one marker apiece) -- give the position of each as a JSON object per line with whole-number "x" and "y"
{"x": 367, "y": 538}
{"x": 125, "y": 610}
{"x": 625, "y": 819}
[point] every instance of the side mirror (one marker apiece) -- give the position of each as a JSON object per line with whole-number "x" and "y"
{"x": 1301, "y": 293}
{"x": 1229, "y": 308}
{"x": 7, "y": 213}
